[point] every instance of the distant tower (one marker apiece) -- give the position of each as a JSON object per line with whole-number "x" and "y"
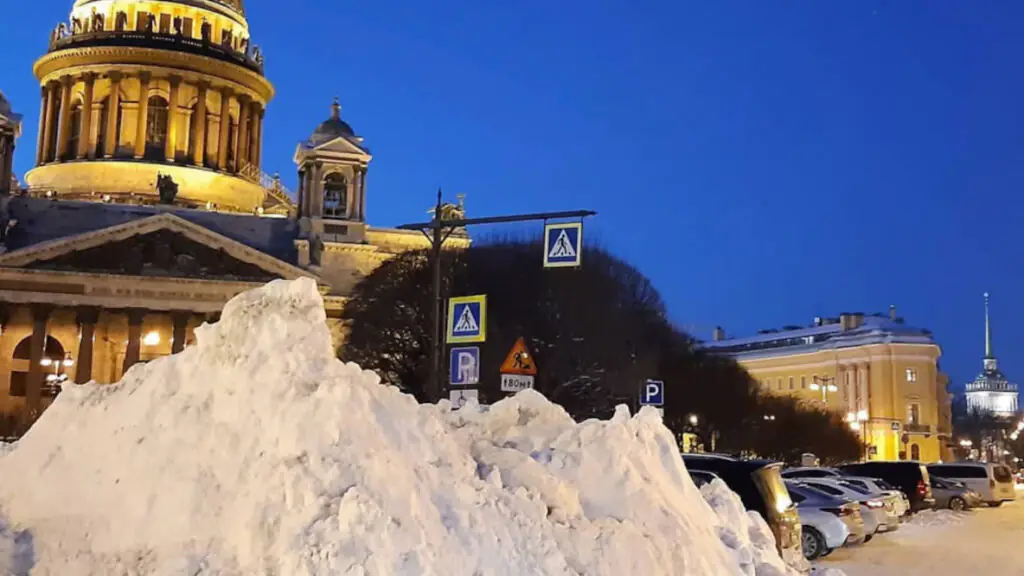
{"x": 332, "y": 183}
{"x": 991, "y": 391}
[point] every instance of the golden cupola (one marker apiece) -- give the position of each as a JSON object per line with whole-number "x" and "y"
{"x": 136, "y": 91}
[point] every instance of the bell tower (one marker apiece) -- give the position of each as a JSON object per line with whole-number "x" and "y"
{"x": 332, "y": 183}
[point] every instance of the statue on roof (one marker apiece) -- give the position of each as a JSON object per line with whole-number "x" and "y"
{"x": 167, "y": 188}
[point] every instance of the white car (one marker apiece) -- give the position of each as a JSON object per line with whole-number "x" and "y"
{"x": 877, "y": 509}
{"x": 993, "y": 482}
{"x": 827, "y": 522}
{"x": 901, "y": 505}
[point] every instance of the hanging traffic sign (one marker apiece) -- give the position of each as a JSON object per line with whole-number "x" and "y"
{"x": 467, "y": 319}
{"x": 519, "y": 360}
{"x": 653, "y": 393}
{"x": 464, "y": 367}
{"x": 563, "y": 245}
{"x": 461, "y": 396}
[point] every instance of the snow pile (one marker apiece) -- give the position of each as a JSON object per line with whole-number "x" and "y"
{"x": 257, "y": 452}
{"x": 932, "y": 518}
{"x": 746, "y": 533}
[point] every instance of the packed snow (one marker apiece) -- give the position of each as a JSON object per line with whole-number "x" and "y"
{"x": 942, "y": 543}
{"x": 257, "y": 452}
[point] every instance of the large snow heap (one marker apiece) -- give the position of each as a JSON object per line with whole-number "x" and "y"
{"x": 257, "y": 452}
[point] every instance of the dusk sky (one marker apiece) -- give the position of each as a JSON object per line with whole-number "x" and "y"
{"x": 764, "y": 162}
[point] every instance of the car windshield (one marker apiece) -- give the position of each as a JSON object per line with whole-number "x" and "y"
{"x": 855, "y": 488}
{"x": 826, "y": 489}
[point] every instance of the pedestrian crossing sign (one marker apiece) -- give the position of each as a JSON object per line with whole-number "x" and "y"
{"x": 467, "y": 319}
{"x": 563, "y": 245}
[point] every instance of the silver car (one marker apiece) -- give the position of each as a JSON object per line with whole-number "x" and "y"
{"x": 827, "y": 522}
{"x": 878, "y": 510}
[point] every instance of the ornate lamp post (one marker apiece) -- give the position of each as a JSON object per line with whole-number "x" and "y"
{"x": 825, "y": 384}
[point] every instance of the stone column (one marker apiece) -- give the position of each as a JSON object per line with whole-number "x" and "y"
{"x": 256, "y": 148}
{"x": 171, "y": 146}
{"x": 42, "y": 123}
{"x": 36, "y": 374}
{"x": 50, "y": 133}
{"x": 302, "y": 193}
{"x": 316, "y": 190}
{"x": 225, "y": 122}
{"x": 131, "y": 353}
{"x": 85, "y": 121}
{"x": 180, "y": 332}
{"x": 362, "y": 194}
{"x": 142, "y": 116}
{"x": 113, "y": 110}
{"x": 199, "y": 133}
{"x": 242, "y": 138}
{"x": 87, "y": 318}
{"x": 64, "y": 137}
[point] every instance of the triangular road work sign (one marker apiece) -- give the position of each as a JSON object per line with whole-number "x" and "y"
{"x": 519, "y": 361}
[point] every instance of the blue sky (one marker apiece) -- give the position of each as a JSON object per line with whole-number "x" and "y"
{"x": 763, "y": 162}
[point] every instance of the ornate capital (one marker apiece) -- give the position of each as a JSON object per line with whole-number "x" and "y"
{"x": 135, "y": 316}
{"x": 87, "y": 315}
{"x": 145, "y": 77}
{"x": 66, "y": 81}
{"x": 174, "y": 80}
{"x": 115, "y": 76}
{"x": 89, "y": 77}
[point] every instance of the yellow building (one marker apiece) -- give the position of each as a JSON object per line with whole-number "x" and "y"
{"x": 147, "y": 208}
{"x": 877, "y": 372}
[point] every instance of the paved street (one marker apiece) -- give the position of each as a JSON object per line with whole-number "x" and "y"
{"x": 988, "y": 542}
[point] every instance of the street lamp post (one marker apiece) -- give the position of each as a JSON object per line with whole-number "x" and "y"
{"x": 437, "y": 232}
{"x": 856, "y": 421}
{"x": 825, "y": 384}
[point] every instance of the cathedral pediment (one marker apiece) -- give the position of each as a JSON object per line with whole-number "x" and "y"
{"x": 160, "y": 246}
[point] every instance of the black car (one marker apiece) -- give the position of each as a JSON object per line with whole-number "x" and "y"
{"x": 760, "y": 487}
{"x": 909, "y": 477}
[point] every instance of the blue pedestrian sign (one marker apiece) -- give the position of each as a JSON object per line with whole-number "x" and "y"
{"x": 467, "y": 319}
{"x": 653, "y": 393}
{"x": 464, "y": 367}
{"x": 563, "y": 245}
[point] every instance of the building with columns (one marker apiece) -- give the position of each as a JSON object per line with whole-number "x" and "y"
{"x": 880, "y": 374}
{"x": 147, "y": 208}
{"x": 991, "y": 391}
{"x": 10, "y": 130}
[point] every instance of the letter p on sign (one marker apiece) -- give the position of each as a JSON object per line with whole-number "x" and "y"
{"x": 653, "y": 394}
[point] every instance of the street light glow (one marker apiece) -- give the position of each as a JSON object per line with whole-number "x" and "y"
{"x": 814, "y": 386}
{"x": 833, "y": 388}
{"x": 693, "y": 419}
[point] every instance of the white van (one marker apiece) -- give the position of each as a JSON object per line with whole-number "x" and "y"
{"x": 994, "y": 482}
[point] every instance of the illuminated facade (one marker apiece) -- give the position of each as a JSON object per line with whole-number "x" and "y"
{"x": 879, "y": 373}
{"x": 147, "y": 208}
{"x": 991, "y": 391}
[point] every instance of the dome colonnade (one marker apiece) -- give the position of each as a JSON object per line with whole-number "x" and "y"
{"x": 134, "y": 89}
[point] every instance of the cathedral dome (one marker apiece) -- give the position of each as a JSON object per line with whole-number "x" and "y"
{"x": 334, "y": 126}
{"x": 236, "y": 6}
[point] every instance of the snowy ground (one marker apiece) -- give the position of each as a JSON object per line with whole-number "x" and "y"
{"x": 984, "y": 542}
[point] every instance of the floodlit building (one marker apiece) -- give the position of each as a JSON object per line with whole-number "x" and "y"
{"x": 991, "y": 391}
{"x": 147, "y": 208}
{"x": 879, "y": 373}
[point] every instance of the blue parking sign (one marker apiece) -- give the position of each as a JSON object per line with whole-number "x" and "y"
{"x": 464, "y": 366}
{"x": 653, "y": 393}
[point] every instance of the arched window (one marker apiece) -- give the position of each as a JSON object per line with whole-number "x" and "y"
{"x": 335, "y": 196}
{"x": 52, "y": 361}
{"x": 156, "y": 127}
{"x": 915, "y": 452}
{"x": 76, "y": 129}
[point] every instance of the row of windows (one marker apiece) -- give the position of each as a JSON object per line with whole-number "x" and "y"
{"x": 767, "y": 382}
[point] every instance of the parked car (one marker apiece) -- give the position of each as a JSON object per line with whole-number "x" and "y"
{"x": 761, "y": 489}
{"x": 900, "y": 502}
{"x": 701, "y": 478}
{"x": 827, "y": 522}
{"x": 909, "y": 477}
{"x": 799, "y": 472}
{"x": 877, "y": 510}
{"x": 993, "y": 482}
{"x": 954, "y": 495}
